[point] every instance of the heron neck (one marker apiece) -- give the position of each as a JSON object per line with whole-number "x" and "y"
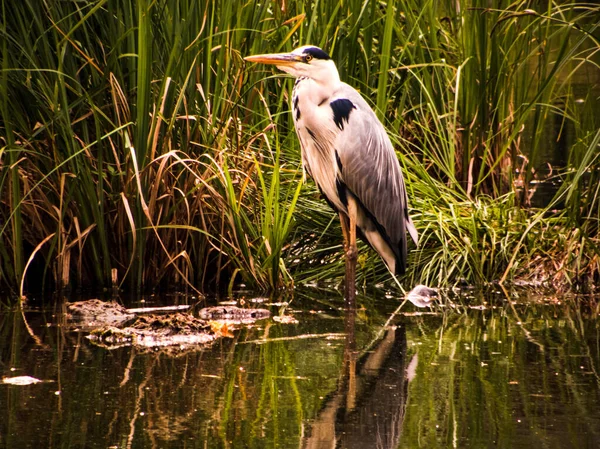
{"x": 322, "y": 89}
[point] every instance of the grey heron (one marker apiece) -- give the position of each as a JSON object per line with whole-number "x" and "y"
{"x": 348, "y": 154}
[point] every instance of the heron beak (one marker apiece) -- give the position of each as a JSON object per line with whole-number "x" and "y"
{"x": 278, "y": 59}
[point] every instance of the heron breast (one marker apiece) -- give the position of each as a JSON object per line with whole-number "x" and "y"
{"x": 319, "y": 156}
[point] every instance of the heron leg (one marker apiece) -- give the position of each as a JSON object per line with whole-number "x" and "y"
{"x": 349, "y": 230}
{"x": 344, "y": 221}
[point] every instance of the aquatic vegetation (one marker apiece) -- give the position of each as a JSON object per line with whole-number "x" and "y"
{"x": 138, "y": 151}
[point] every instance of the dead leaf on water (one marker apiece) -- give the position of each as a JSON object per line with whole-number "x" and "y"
{"x": 220, "y": 329}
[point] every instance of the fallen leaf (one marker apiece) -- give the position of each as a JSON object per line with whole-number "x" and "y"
{"x": 220, "y": 329}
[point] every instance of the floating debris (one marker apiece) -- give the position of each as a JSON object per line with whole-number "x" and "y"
{"x": 165, "y": 309}
{"x": 151, "y": 331}
{"x": 418, "y": 313}
{"x": 94, "y": 313}
{"x": 481, "y": 307}
{"x": 326, "y": 336}
{"x": 277, "y": 304}
{"x": 113, "y": 326}
{"x": 285, "y": 319}
{"x": 421, "y": 295}
{"x": 20, "y": 380}
{"x": 221, "y": 329}
{"x": 113, "y": 338}
{"x": 233, "y": 314}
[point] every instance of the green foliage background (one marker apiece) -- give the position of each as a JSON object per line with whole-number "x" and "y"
{"x": 139, "y": 150}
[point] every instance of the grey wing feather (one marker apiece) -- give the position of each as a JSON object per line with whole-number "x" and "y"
{"x": 370, "y": 169}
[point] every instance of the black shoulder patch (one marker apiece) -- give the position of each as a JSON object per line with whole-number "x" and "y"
{"x": 316, "y": 53}
{"x": 341, "y": 111}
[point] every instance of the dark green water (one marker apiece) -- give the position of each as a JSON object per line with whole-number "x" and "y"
{"x": 514, "y": 375}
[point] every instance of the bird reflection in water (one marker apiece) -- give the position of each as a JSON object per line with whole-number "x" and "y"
{"x": 367, "y": 409}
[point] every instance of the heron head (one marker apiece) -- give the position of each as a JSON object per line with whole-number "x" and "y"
{"x": 307, "y": 61}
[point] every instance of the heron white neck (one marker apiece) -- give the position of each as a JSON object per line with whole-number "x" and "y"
{"x": 322, "y": 84}
{"x": 327, "y": 78}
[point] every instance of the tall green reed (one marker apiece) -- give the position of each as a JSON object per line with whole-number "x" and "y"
{"x": 139, "y": 145}
{"x": 474, "y": 87}
{"x": 111, "y": 105}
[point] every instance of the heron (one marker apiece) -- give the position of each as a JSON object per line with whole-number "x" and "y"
{"x": 348, "y": 154}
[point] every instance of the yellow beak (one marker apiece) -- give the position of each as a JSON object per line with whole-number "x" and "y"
{"x": 278, "y": 59}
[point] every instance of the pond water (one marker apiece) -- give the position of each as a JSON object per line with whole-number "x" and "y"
{"x": 520, "y": 372}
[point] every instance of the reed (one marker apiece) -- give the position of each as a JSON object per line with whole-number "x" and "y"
{"x": 142, "y": 152}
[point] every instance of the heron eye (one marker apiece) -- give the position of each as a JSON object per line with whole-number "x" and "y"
{"x": 308, "y": 58}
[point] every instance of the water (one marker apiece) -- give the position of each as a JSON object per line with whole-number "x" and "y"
{"x": 517, "y": 374}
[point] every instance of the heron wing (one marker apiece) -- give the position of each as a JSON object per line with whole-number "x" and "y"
{"x": 369, "y": 168}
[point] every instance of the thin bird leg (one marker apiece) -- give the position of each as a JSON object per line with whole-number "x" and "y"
{"x": 351, "y": 256}
{"x": 349, "y": 287}
{"x": 345, "y": 233}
